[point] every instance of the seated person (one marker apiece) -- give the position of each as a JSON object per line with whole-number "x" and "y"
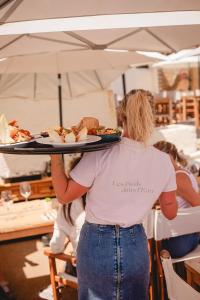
{"x": 68, "y": 225}
{"x": 187, "y": 196}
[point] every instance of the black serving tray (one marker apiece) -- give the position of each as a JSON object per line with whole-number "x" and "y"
{"x": 35, "y": 148}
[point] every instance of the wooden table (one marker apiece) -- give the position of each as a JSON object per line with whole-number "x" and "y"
{"x": 39, "y": 188}
{"x": 26, "y": 219}
{"x": 193, "y": 271}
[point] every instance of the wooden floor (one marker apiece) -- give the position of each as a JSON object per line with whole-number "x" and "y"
{"x": 26, "y": 268}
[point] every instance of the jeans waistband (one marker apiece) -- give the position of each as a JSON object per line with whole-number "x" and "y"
{"x": 112, "y": 226}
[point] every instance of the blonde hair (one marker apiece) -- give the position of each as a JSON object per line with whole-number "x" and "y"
{"x": 136, "y": 115}
{"x": 172, "y": 150}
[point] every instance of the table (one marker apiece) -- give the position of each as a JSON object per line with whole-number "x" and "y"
{"x": 193, "y": 271}
{"x": 26, "y": 219}
{"x": 39, "y": 188}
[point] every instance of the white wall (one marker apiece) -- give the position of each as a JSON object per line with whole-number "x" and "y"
{"x": 40, "y": 115}
{"x": 137, "y": 79}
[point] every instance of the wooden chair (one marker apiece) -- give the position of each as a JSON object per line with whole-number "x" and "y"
{"x": 59, "y": 280}
{"x": 190, "y": 108}
{"x": 187, "y": 221}
{"x": 163, "y": 111}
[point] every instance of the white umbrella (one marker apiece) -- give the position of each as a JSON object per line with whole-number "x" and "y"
{"x": 26, "y": 10}
{"x": 149, "y": 37}
{"x": 81, "y": 72}
{"x": 63, "y": 61}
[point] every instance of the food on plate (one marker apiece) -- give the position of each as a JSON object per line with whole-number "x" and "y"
{"x": 10, "y": 133}
{"x": 82, "y": 134}
{"x": 74, "y": 134}
{"x": 94, "y": 128}
{"x": 65, "y": 135}
{"x": 104, "y": 131}
{"x": 54, "y": 136}
{"x": 71, "y": 138}
{"x": 88, "y": 122}
{"x": 87, "y": 126}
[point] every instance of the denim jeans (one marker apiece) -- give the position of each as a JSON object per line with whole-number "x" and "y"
{"x": 112, "y": 263}
{"x": 181, "y": 245}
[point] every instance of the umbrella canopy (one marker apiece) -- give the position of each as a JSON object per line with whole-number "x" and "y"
{"x": 41, "y": 86}
{"x": 82, "y": 43}
{"x": 166, "y": 39}
{"x": 62, "y": 61}
{"x": 26, "y": 10}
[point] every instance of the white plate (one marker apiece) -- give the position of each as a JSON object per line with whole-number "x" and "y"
{"x": 90, "y": 139}
{"x": 18, "y": 144}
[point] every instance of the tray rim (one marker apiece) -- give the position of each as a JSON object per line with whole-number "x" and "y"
{"x": 30, "y": 150}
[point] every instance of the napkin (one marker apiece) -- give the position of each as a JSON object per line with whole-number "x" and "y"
{"x": 5, "y": 131}
{"x": 54, "y": 136}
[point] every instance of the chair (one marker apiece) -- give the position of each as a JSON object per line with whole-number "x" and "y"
{"x": 163, "y": 111}
{"x": 60, "y": 279}
{"x": 187, "y": 221}
{"x": 177, "y": 288}
{"x": 190, "y": 108}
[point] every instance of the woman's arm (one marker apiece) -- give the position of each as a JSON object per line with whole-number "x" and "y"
{"x": 168, "y": 204}
{"x": 186, "y": 191}
{"x": 66, "y": 189}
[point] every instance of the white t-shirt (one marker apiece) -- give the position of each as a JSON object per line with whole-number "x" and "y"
{"x": 125, "y": 181}
{"x": 64, "y": 229}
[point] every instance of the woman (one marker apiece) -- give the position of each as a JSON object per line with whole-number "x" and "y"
{"x": 187, "y": 196}
{"x": 122, "y": 184}
{"x": 69, "y": 222}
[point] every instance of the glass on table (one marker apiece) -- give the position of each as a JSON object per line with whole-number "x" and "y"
{"x": 25, "y": 189}
{"x": 7, "y": 198}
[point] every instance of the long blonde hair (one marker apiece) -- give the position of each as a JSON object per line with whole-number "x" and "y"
{"x": 136, "y": 114}
{"x": 171, "y": 149}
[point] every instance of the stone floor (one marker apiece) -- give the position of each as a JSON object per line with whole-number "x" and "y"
{"x": 26, "y": 269}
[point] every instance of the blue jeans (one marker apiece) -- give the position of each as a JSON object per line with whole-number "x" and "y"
{"x": 112, "y": 263}
{"x": 181, "y": 245}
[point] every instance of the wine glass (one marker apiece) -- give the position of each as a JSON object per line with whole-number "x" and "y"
{"x": 25, "y": 190}
{"x": 7, "y": 198}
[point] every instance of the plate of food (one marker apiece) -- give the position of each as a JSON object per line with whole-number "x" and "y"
{"x": 67, "y": 137}
{"x": 12, "y": 135}
{"x": 106, "y": 134}
{"x": 94, "y": 128}
{"x": 49, "y": 141}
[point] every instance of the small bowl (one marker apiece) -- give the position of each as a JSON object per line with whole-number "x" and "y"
{"x": 110, "y": 137}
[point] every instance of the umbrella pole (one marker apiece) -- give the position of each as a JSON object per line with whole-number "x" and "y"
{"x": 60, "y": 104}
{"x": 198, "y": 65}
{"x": 124, "y": 84}
{"x": 60, "y": 100}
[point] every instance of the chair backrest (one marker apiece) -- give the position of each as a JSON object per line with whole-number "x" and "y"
{"x": 148, "y": 224}
{"x": 187, "y": 221}
{"x": 177, "y": 288}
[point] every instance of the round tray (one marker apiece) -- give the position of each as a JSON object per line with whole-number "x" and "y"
{"x": 35, "y": 148}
